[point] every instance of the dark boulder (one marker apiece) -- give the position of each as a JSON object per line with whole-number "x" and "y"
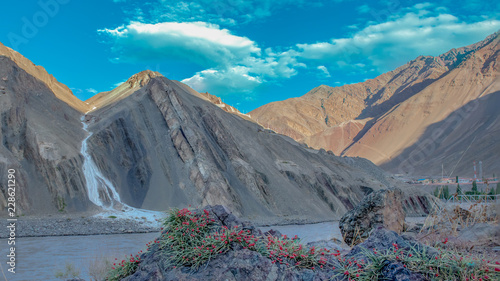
{"x": 382, "y": 240}
{"x": 395, "y": 271}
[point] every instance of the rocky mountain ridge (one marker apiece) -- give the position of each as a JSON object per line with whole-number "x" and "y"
{"x": 161, "y": 145}
{"x": 203, "y": 155}
{"x": 61, "y": 91}
{"x": 383, "y": 117}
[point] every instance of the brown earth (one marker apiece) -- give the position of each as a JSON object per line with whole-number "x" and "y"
{"x": 410, "y": 120}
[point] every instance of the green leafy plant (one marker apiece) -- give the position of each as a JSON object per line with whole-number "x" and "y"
{"x": 193, "y": 239}
{"x": 474, "y": 187}
{"x": 61, "y": 205}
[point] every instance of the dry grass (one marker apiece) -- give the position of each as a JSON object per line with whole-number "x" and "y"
{"x": 447, "y": 220}
{"x": 98, "y": 267}
{"x": 356, "y": 239}
{"x": 445, "y": 223}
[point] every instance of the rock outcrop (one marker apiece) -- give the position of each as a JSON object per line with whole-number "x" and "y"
{"x": 60, "y": 90}
{"x": 40, "y": 138}
{"x": 134, "y": 83}
{"x": 381, "y": 240}
{"x": 380, "y": 208}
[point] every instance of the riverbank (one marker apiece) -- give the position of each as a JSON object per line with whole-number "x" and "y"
{"x": 73, "y": 224}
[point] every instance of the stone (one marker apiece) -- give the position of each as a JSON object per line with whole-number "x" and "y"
{"x": 382, "y": 240}
{"x": 395, "y": 271}
{"x": 381, "y": 207}
{"x": 480, "y": 233}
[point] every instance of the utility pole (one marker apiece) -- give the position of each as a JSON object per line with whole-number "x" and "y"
{"x": 481, "y": 170}
{"x": 475, "y": 174}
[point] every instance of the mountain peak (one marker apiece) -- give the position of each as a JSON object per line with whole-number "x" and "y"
{"x": 142, "y": 78}
{"x": 60, "y": 90}
{"x": 134, "y": 83}
{"x": 401, "y": 109}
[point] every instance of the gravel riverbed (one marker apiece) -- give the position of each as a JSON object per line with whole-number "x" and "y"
{"x": 66, "y": 225}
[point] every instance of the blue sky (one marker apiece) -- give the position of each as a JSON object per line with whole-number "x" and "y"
{"x": 249, "y": 52}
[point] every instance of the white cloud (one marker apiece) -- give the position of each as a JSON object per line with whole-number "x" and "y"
{"x": 236, "y": 64}
{"x": 363, "y": 9}
{"x": 118, "y": 84}
{"x": 202, "y": 43}
{"x": 325, "y": 71}
{"x": 390, "y": 44}
{"x": 235, "y": 79}
{"x": 421, "y": 6}
{"x": 91, "y": 90}
{"x": 232, "y": 61}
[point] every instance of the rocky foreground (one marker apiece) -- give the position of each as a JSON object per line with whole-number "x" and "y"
{"x": 213, "y": 244}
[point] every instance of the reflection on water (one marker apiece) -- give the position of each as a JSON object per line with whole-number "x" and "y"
{"x": 39, "y": 258}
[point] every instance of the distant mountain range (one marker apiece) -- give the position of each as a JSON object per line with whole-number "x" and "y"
{"x": 431, "y": 112}
{"x": 160, "y": 144}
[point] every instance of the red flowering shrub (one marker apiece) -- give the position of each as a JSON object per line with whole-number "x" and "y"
{"x": 123, "y": 268}
{"x": 192, "y": 239}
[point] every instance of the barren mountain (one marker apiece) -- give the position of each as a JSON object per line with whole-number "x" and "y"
{"x": 60, "y": 90}
{"x": 387, "y": 119}
{"x": 161, "y": 144}
{"x": 164, "y": 145}
{"x": 41, "y": 137}
{"x": 122, "y": 91}
{"x": 141, "y": 79}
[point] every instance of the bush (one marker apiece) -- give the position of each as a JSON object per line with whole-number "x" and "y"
{"x": 193, "y": 239}
{"x": 69, "y": 272}
{"x": 442, "y": 193}
{"x": 474, "y": 188}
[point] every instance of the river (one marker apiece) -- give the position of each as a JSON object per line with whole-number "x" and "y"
{"x": 39, "y": 258}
